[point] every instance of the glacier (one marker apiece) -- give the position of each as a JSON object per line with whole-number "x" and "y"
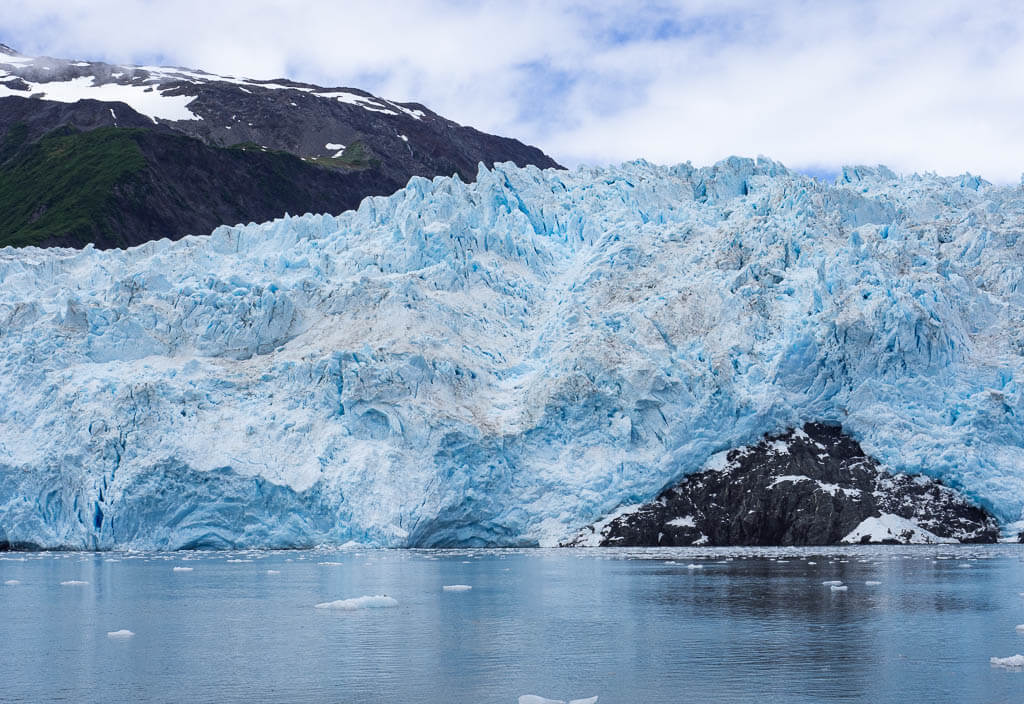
{"x": 503, "y": 362}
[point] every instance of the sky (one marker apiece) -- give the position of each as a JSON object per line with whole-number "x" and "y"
{"x": 919, "y": 86}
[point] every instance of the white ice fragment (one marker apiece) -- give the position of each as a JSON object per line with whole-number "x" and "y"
{"x": 1014, "y": 662}
{"x": 328, "y": 564}
{"x": 694, "y": 566}
{"x": 839, "y": 588}
{"x": 831, "y": 583}
{"x": 1020, "y": 628}
{"x": 273, "y": 571}
{"x": 123, "y": 633}
{"x": 183, "y": 569}
{"x": 238, "y": 560}
{"x": 12, "y": 582}
{"x": 456, "y": 587}
{"x": 872, "y": 583}
{"x": 378, "y": 601}
{"x": 73, "y": 583}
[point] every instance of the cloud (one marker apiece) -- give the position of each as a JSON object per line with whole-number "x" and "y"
{"x": 916, "y": 85}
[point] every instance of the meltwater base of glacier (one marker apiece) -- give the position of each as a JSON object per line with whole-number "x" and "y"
{"x": 503, "y": 362}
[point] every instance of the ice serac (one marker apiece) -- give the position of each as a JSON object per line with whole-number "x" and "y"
{"x": 506, "y": 361}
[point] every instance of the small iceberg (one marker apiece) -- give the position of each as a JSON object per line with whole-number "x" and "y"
{"x": 1014, "y": 662}
{"x": 832, "y": 583}
{"x": 692, "y": 566}
{"x": 123, "y": 633}
{"x": 273, "y": 571}
{"x": 328, "y": 564}
{"x": 183, "y": 569}
{"x": 73, "y": 583}
{"x": 872, "y": 583}
{"x": 456, "y": 588}
{"x": 1020, "y": 628}
{"x": 379, "y": 601}
{"x": 839, "y": 588}
{"x": 12, "y": 582}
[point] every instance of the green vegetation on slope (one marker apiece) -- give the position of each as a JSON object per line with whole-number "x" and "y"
{"x": 63, "y": 184}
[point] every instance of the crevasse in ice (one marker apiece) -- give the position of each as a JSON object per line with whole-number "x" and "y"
{"x": 503, "y": 362}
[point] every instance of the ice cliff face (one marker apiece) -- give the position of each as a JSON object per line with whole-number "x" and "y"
{"x": 507, "y": 361}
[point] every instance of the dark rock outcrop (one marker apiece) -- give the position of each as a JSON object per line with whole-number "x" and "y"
{"x": 813, "y": 486}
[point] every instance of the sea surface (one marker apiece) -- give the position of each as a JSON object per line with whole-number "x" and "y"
{"x": 628, "y": 626}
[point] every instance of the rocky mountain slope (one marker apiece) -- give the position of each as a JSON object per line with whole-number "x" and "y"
{"x": 812, "y": 486}
{"x": 120, "y": 155}
{"x": 506, "y": 361}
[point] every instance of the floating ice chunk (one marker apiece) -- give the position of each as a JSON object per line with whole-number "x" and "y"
{"x": 123, "y": 633}
{"x": 273, "y": 571}
{"x": 1014, "y": 662}
{"x": 693, "y": 566}
{"x": 183, "y": 569}
{"x": 839, "y": 587}
{"x": 328, "y": 564}
{"x": 872, "y": 583}
{"x": 832, "y": 583}
{"x": 456, "y": 587}
{"x": 112, "y": 559}
{"x": 12, "y": 582}
{"x": 237, "y": 560}
{"x": 73, "y": 583}
{"x": 379, "y": 601}
{"x": 811, "y": 562}
{"x": 1020, "y": 628}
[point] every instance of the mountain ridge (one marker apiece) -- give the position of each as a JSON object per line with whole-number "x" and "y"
{"x": 346, "y": 143}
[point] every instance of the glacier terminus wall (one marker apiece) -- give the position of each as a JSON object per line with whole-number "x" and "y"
{"x": 503, "y": 362}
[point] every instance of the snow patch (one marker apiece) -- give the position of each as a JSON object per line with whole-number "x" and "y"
{"x": 888, "y": 526}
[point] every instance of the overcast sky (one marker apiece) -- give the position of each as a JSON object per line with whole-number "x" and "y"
{"x": 920, "y": 86}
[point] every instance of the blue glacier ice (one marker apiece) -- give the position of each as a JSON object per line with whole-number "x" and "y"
{"x": 503, "y": 362}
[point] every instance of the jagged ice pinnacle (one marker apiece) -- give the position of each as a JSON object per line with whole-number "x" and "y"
{"x": 506, "y": 361}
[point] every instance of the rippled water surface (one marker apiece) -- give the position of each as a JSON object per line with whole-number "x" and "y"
{"x": 629, "y": 626}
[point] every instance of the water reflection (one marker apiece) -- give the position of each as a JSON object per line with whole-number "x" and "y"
{"x": 629, "y": 625}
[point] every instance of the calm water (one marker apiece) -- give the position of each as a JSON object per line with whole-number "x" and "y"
{"x": 628, "y": 626}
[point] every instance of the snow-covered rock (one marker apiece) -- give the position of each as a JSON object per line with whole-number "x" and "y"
{"x": 503, "y": 362}
{"x": 809, "y": 486}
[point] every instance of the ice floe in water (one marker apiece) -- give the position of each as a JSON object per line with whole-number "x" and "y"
{"x": 12, "y": 582}
{"x": 456, "y": 587}
{"x": 328, "y": 564}
{"x": 378, "y": 601}
{"x": 872, "y": 583}
{"x": 73, "y": 583}
{"x": 183, "y": 569}
{"x": 273, "y": 571}
{"x": 693, "y": 566}
{"x": 1014, "y": 662}
{"x": 534, "y": 699}
{"x": 1020, "y": 628}
{"x": 832, "y": 583}
{"x": 839, "y": 587}
{"x": 123, "y": 633}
